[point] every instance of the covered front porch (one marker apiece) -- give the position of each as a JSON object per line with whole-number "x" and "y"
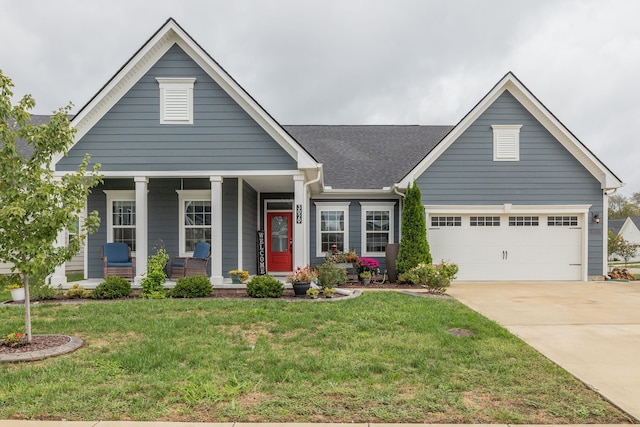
{"x": 255, "y": 222}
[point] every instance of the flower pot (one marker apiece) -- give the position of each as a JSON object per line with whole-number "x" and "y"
{"x": 300, "y": 289}
{"x": 235, "y": 279}
{"x": 17, "y": 295}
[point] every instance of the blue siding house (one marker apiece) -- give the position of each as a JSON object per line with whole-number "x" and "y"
{"x": 188, "y": 155}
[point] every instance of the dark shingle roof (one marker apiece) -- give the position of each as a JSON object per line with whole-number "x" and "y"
{"x": 616, "y": 224}
{"x": 367, "y": 156}
{"x": 24, "y": 149}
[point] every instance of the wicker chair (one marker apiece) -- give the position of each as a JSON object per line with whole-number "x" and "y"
{"x": 117, "y": 260}
{"x": 192, "y": 266}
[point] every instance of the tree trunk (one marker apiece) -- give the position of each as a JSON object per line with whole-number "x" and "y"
{"x": 27, "y": 308}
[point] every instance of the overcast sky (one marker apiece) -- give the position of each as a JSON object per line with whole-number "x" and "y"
{"x": 359, "y": 62}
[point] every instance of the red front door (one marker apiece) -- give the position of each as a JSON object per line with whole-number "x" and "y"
{"x": 279, "y": 247}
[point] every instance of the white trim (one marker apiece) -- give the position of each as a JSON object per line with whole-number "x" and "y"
{"x": 507, "y": 209}
{"x": 510, "y": 83}
{"x": 195, "y": 196}
{"x": 506, "y": 143}
{"x": 118, "y": 196}
{"x": 147, "y": 56}
{"x": 331, "y": 206}
{"x": 375, "y": 206}
{"x": 240, "y": 222}
{"x": 176, "y": 93}
{"x": 142, "y": 232}
{"x": 191, "y": 174}
{"x": 217, "y": 278}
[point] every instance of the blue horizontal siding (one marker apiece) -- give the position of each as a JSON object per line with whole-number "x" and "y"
{"x": 547, "y": 174}
{"x": 223, "y": 136}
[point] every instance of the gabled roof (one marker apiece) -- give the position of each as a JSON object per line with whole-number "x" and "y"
{"x": 169, "y": 34}
{"x": 367, "y": 157}
{"x": 616, "y": 224}
{"x": 510, "y": 82}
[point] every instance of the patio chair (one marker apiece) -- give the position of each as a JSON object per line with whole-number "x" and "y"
{"x": 117, "y": 260}
{"x": 192, "y": 266}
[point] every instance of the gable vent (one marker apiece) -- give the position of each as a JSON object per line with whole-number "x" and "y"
{"x": 176, "y": 100}
{"x": 506, "y": 142}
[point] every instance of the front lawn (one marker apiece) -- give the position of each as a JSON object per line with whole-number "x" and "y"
{"x": 383, "y": 357}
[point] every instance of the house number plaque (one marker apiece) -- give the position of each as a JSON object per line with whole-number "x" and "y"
{"x": 298, "y": 214}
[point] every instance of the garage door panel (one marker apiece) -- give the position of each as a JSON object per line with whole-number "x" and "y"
{"x": 504, "y": 252}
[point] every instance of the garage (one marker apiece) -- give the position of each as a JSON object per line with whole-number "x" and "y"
{"x": 510, "y": 246}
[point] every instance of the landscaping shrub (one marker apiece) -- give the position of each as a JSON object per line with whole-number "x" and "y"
{"x": 435, "y": 278}
{"x": 414, "y": 248}
{"x": 192, "y": 287}
{"x": 77, "y": 291}
{"x": 265, "y": 287}
{"x": 152, "y": 283}
{"x": 113, "y": 287}
{"x": 330, "y": 276}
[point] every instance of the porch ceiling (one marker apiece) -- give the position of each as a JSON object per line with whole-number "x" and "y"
{"x": 271, "y": 184}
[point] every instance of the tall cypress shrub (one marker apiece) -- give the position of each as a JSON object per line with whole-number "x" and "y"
{"x": 414, "y": 248}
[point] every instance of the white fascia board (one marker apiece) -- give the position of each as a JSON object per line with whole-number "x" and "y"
{"x": 190, "y": 174}
{"x": 507, "y": 209}
{"x": 148, "y": 55}
{"x": 355, "y": 194}
{"x": 510, "y": 83}
{"x": 233, "y": 89}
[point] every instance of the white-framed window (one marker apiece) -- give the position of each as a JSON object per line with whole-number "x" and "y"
{"x": 524, "y": 221}
{"x": 332, "y": 226}
{"x": 446, "y": 221}
{"x": 121, "y": 217}
{"x": 484, "y": 221}
{"x": 562, "y": 221}
{"x": 377, "y": 227}
{"x": 195, "y": 219}
{"x": 176, "y": 100}
{"x": 506, "y": 143}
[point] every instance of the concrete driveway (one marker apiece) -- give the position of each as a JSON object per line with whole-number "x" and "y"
{"x": 591, "y": 329}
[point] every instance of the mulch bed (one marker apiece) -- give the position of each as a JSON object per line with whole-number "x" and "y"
{"x": 38, "y": 342}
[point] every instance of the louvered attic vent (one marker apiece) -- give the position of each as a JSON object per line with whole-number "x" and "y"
{"x": 506, "y": 143}
{"x": 176, "y": 100}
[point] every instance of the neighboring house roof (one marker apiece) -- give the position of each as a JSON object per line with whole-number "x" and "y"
{"x": 616, "y": 224}
{"x": 513, "y": 85}
{"x": 367, "y": 156}
{"x": 636, "y": 220}
{"x": 25, "y": 149}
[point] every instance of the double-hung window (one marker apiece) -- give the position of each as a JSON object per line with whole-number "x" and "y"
{"x": 195, "y": 219}
{"x": 121, "y": 217}
{"x": 377, "y": 227}
{"x": 332, "y": 226}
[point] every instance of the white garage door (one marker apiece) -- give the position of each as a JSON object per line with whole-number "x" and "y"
{"x": 509, "y": 247}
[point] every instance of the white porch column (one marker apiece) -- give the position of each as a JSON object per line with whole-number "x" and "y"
{"x": 299, "y": 215}
{"x": 216, "y": 230}
{"x": 59, "y": 276}
{"x": 142, "y": 251}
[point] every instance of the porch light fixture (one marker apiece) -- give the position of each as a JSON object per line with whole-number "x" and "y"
{"x": 596, "y": 218}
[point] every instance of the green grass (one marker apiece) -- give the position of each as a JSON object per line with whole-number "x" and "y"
{"x": 383, "y": 357}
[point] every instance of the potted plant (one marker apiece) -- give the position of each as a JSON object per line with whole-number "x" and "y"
{"x": 238, "y": 276}
{"x": 301, "y": 279}
{"x": 328, "y": 292}
{"x": 367, "y": 267}
{"x": 17, "y": 292}
{"x": 312, "y": 293}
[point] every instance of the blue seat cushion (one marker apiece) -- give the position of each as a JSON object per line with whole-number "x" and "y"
{"x": 119, "y": 264}
{"x": 202, "y": 250}
{"x": 178, "y": 264}
{"x": 116, "y": 252}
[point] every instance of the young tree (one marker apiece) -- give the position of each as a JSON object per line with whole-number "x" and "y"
{"x": 614, "y": 241}
{"x": 627, "y": 251}
{"x": 414, "y": 248}
{"x": 35, "y": 205}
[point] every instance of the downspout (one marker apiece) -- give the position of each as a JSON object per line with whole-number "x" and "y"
{"x": 307, "y": 227}
{"x": 397, "y": 192}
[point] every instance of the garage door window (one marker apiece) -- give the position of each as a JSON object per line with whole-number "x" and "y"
{"x": 523, "y": 221}
{"x": 562, "y": 221}
{"x": 485, "y": 221}
{"x": 446, "y": 221}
